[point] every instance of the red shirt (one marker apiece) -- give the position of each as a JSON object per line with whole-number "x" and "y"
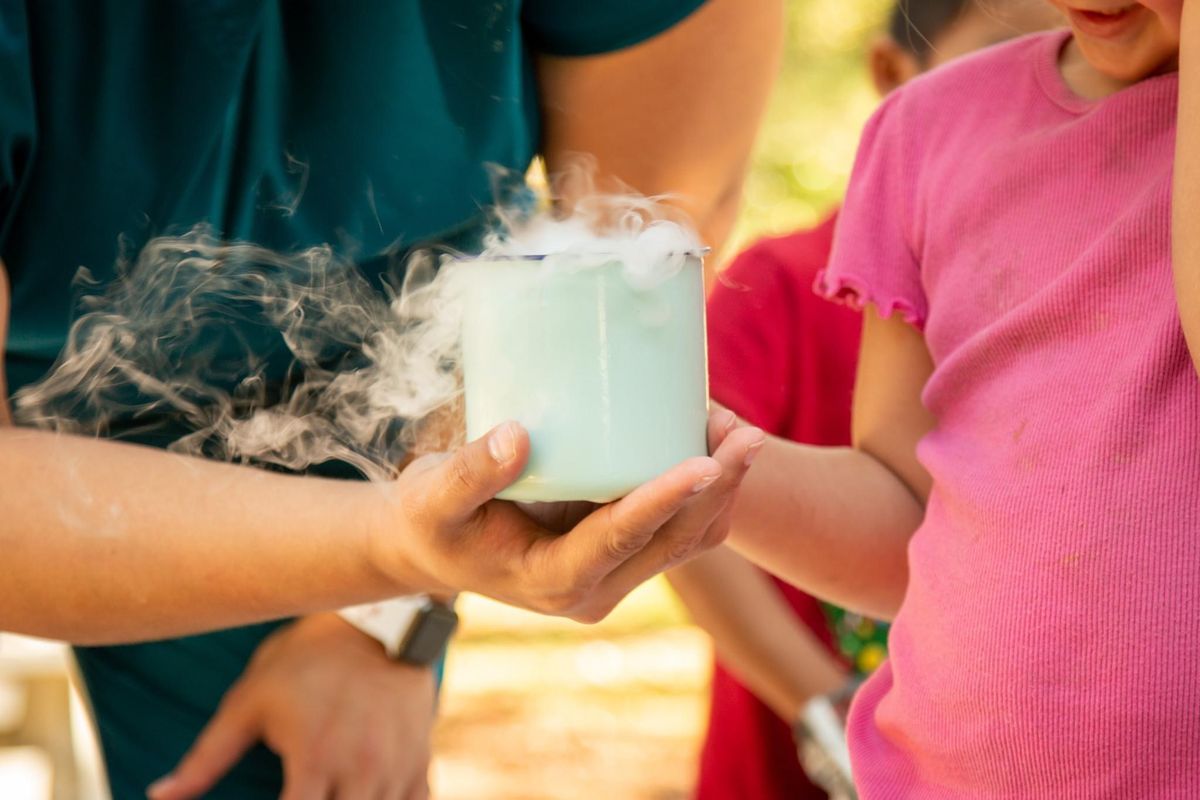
{"x": 784, "y": 359}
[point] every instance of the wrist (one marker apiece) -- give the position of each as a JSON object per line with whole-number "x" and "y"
{"x": 415, "y": 629}
{"x": 391, "y": 544}
{"x": 795, "y": 698}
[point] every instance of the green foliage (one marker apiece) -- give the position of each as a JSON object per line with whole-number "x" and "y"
{"x": 823, "y": 97}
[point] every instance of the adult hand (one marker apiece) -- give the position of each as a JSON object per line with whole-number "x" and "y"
{"x": 347, "y": 721}
{"x": 442, "y": 529}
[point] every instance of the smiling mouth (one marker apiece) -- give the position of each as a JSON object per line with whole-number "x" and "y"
{"x": 1107, "y": 23}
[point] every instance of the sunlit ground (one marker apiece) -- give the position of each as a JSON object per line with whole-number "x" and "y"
{"x": 25, "y": 773}
{"x": 540, "y": 709}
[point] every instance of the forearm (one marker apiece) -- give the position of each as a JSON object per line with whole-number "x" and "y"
{"x": 833, "y": 521}
{"x": 1186, "y": 199}
{"x": 755, "y": 633}
{"x": 107, "y": 542}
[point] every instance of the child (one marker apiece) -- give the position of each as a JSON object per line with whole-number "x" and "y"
{"x": 1026, "y": 413}
{"x": 784, "y": 359}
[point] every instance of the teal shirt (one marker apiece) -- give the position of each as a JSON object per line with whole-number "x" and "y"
{"x": 365, "y": 125}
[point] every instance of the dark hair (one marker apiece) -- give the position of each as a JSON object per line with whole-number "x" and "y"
{"x": 914, "y": 24}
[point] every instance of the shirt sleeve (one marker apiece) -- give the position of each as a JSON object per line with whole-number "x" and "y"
{"x": 874, "y": 259}
{"x": 574, "y": 28}
{"x": 17, "y": 117}
{"x": 750, "y": 366}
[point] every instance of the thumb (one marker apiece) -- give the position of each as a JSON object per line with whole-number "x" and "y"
{"x": 474, "y": 473}
{"x": 224, "y": 740}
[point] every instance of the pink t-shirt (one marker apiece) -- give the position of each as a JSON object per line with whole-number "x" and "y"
{"x": 1049, "y": 642}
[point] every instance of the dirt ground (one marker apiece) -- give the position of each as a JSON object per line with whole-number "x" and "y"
{"x": 539, "y": 709}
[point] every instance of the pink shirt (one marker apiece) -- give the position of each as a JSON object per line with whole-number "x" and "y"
{"x": 1049, "y": 642}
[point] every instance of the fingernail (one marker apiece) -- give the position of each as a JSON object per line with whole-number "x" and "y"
{"x": 161, "y": 785}
{"x": 704, "y": 483}
{"x": 730, "y": 421}
{"x": 502, "y": 444}
{"x": 753, "y": 451}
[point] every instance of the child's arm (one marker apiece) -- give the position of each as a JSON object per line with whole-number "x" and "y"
{"x": 755, "y": 633}
{"x": 836, "y": 521}
{"x": 1186, "y": 200}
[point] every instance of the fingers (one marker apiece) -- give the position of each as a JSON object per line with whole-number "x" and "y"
{"x": 227, "y": 737}
{"x": 633, "y": 520}
{"x": 615, "y": 533}
{"x": 701, "y": 524}
{"x": 721, "y": 422}
{"x": 705, "y": 520}
{"x": 659, "y": 524}
{"x": 476, "y": 472}
{"x": 736, "y": 453}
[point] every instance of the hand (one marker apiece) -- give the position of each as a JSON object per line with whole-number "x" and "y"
{"x": 442, "y": 530}
{"x": 348, "y": 722}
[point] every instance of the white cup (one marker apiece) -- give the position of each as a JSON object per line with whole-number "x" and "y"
{"x": 610, "y": 378}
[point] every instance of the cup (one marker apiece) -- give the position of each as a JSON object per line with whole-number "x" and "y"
{"x": 608, "y": 376}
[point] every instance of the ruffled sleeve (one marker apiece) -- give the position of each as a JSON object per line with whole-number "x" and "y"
{"x": 874, "y": 254}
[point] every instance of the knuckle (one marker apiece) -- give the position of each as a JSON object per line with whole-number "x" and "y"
{"x": 624, "y": 539}
{"x": 315, "y": 757}
{"x": 371, "y": 758}
{"x": 305, "y": 768}
{"x": 716, "y": 534}
{"x": 714, "y": 539}
{"x": 591, "y": 615}
{"x": 624, "y": 545}
{"x": 684, "y": 545}
{"x": 563, "y": 602}
{"x": 462, "y": 474}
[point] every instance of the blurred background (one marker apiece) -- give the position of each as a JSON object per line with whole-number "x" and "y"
{"x": 535, "y": 708}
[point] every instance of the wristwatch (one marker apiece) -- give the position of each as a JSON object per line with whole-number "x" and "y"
{"x": 414, "y": 629}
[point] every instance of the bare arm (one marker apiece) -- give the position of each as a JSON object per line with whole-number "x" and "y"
{"x": 109, "y": 542}
{"x": 1186, "y": 199}
{"x": 755, "y": 633}
{"x": 836, "y": 521}
{"x": 676, "y": 114}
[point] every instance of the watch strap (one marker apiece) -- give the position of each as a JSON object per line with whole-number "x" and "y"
{"x": 387, "y": 622}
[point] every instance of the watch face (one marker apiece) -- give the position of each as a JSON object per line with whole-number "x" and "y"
{"x": 429, "y": 635}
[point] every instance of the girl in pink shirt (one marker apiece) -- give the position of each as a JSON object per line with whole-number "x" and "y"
{"x": 1023, "y": 492}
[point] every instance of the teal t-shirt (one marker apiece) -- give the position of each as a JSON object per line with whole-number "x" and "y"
{"x": 365, "y": 125}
